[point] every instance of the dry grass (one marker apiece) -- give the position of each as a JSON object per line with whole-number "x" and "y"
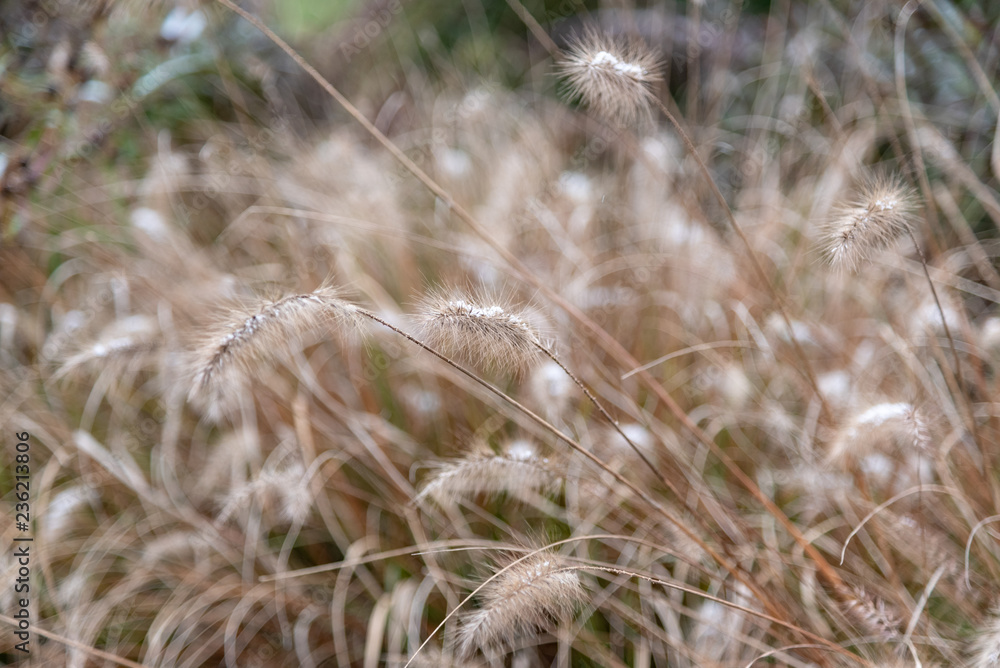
{"x": 246, "y": 340}
{"x": 880, "y": 214}
{"x": 524, "y": 596}
{"x": 722, "y": 450}
{"x": 488, "y": 331}
{"x": 614, "y": 78}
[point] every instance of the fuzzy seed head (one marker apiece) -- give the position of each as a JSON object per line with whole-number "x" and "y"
{"x": 122, "y": 349}
{"x": 872, "y": 614}
{"x": 884, "y": 426}
{"x": 612, "y": 78}
{"x": 879, "y": 215}
{"x": 986, "y": 649}
{"x": 529, "y": 595}
{"x": 246, "y": 340}
{"x": 520, "y": 473}
{"x": 486, "y": 331}
{"x": 283, "y": 491}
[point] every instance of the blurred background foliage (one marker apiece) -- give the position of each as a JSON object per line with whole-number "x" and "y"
{"x": 93, "y": 85}
{"x": 91, "y": 93}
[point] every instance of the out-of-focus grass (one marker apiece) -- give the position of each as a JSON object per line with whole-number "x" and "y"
{"x": 147, "y": 178}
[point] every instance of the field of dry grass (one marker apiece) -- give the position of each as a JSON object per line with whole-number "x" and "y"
{"x": 511, "y": 335}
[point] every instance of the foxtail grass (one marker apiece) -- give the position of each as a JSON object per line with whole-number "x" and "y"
{"x": 529, "y": 594}
{"x": 244, "y": 341}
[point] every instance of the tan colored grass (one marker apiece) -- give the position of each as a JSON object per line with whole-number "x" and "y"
{"x": 246, "y": 340}
{"x": 612, "y": 76}
{"x": 873, "y": 615}
{"x": 487, "y": 330}
{"x": 121, "y": 349}
{"x": 986, "y": 648}
{"x": 889, "y": 427}
{"x": 880, "y": 213}
{"x": 126, "y": 478}
{"x": 521, "y": 474}
{"x": 529, "y": 595}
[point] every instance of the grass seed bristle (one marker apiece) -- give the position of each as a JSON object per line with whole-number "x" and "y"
{"x": 613, "y": 77}
{"x": 884, "y": 425}
{"x": 122, "y": 347}
{"x": 518, "y": 474}
{"x": 529, "y": 595}
{"x": 986, "y": 648}
{"x": 487, "y": 332}
{"x": 244, "y": 343}
{"x": 872, "y": 614}
{"x": 880, "y": 214}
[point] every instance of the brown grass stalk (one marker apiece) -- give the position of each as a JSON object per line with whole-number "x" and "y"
{"x": 622, "y": 356}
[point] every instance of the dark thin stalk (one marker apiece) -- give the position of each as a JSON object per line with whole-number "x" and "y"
{"x": 607, "y": 416}
{"x": 571, "y": 442}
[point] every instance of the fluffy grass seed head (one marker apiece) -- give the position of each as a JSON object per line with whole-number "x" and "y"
{"x": 986, "y": 648}
{"x": 121, "y": 349}
{"x": 485, "y": 330}
{"x": 889, "y": 427}
{"x": 280, "y": 488}
{"x": 520, "y": 472}
{"x": 872, "y": 614}
{"x": 246, "y": 340}
{"x": 612, "y": 76}
{"x": 880, "y": 214}
{"x": 529, "y": 595}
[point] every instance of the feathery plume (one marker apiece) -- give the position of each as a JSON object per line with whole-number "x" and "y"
{"x": 529, "y": 595}
{"x": 486, "y": 331}
{"x": 612, "y": 77}
{"x": 123, "y": 347}
{"x": 247, "y": 339}
{"x": 886, "y": 424}
{"x": 609, "y": 443}
{"x": 871, "y": 223}
{"x": 61, "y": 511}
{"x": 986, "y": 648}
{"x": 872, "y": 614}
{"x": 552, "y": 388}
{"x": 283, "y": 490}
{"x": 519, "y": 473}
{"x": 935, "y": 547}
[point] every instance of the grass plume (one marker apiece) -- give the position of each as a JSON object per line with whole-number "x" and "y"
{"x": 880, "y": 213}
{"x": 526, "y": 596}
{"x": 887, "y": 426}
{"x": 486, "y": 330}
{"x": 613, "y": 77}
{"x": 120, "y": 350}
{"x": 246, "y": 339}
{"x": 519, "y": 472}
